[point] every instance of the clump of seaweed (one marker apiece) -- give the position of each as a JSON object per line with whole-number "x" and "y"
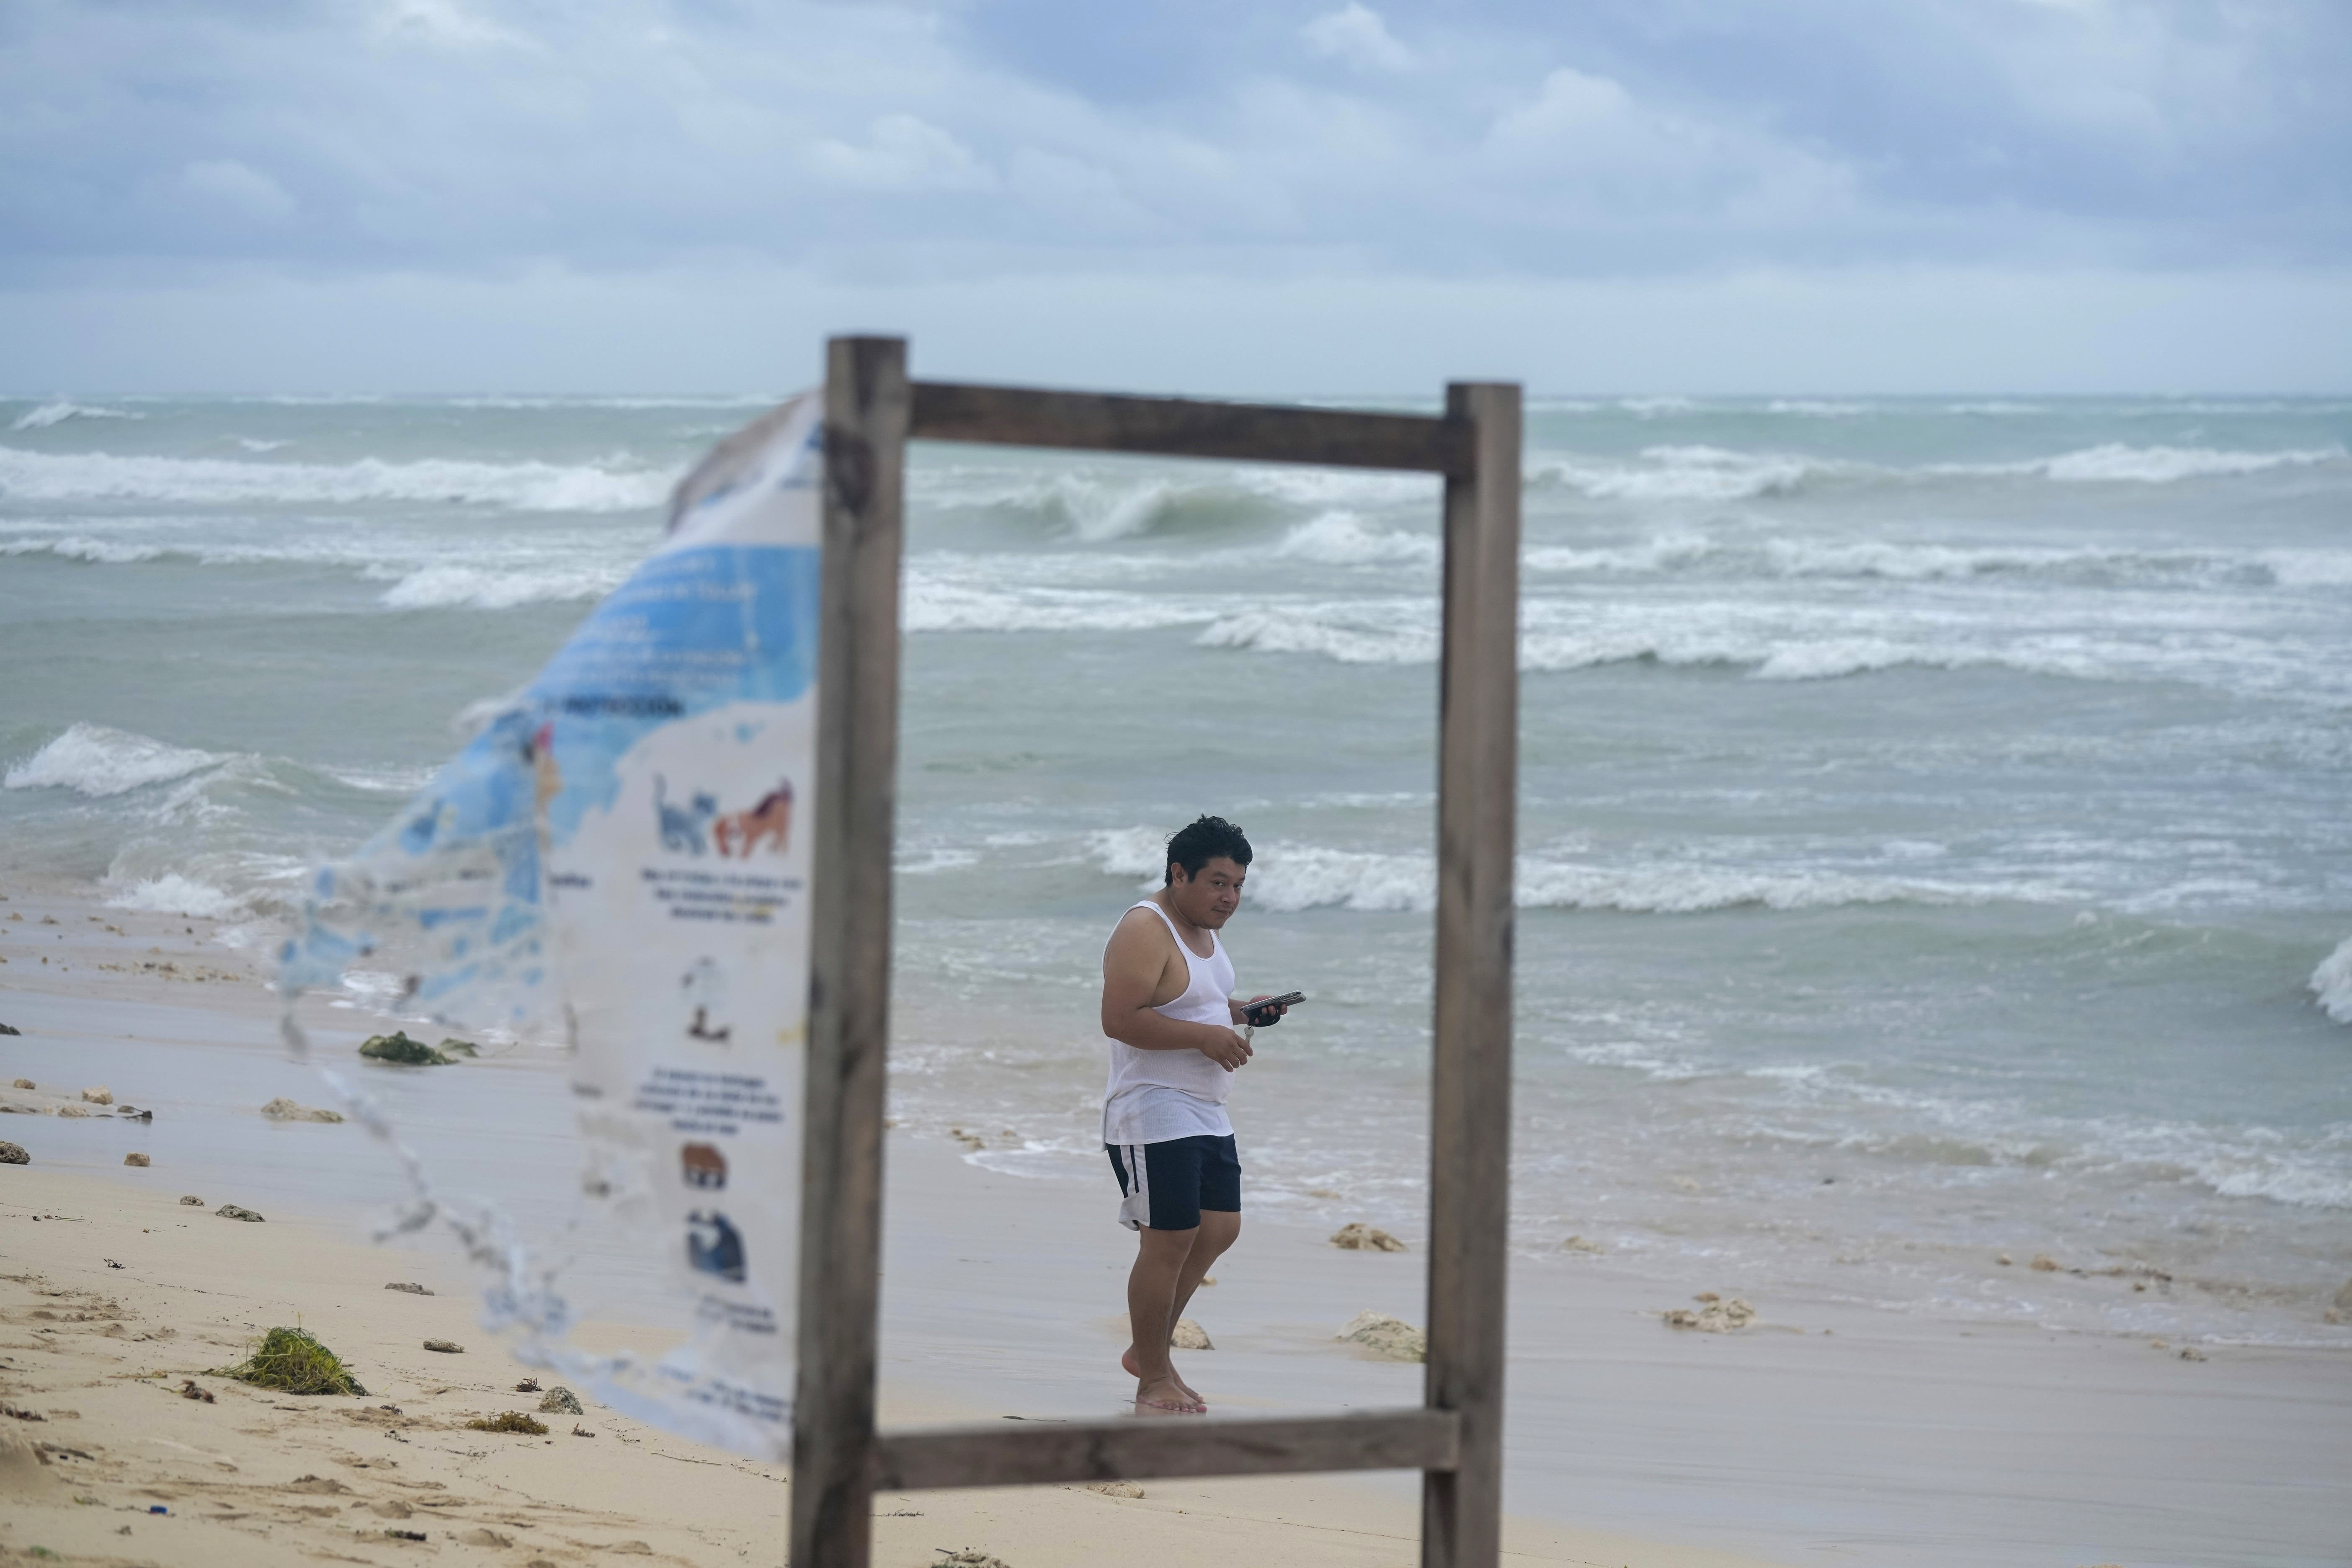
{"x": 459, "y": 1047}
{"x": 512, "y": 1421}
{"x": 294, "y": 1360}
{"x": 398, "y": 1047}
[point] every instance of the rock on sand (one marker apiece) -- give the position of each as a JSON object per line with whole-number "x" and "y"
{"x": 98, "y": 1095}
{"x": 1188, "y": 1335}
{"x": 134, "y": 1159}
{"x": 231, "y": 1211}
{"x": 284, "y": 1109}
{"x": 1715, "y": 1316}
{"x": 192, "y": 1201}
{"x": 1390, "y": 1339}
{"x": 13, "y": 1154}
{"x": 1360, "y": 1238}
{"x": 446, "y": 1347}
{"x": 560, "y": 1401}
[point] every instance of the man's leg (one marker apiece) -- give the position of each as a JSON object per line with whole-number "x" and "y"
{"x": 1162, "y": 1259}
{"x": 1218, "y": 1229}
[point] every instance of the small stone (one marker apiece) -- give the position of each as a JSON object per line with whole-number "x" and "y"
{"x": 1188, "y": 1335}
{"x": 1717, "y": 1317}
{"x": 284, "y": 1109}
{"x": 2190, "y": 1352}
{"x": 1578, "y": 1244}
{"x": 13, "y": 1155}
{"x": 134, "y": 1159}
{"x": 560, "y": 1401}
{"x": 192, "y": 1201}
{"x": 98, "y": 1095}
{"x": 446, "y": 1347}
{"x": 2043, "y": 1263}
{"x": 23, "y": 1082}
{"x": 1357, "y": 1236}
{"x": 1116, "y": 1488}
{"x": 1390, "y": 1339}
{"x": 231, "y": 1211}
{"x": 2005, "y": 1260}
{"x": 408, "y": 1287}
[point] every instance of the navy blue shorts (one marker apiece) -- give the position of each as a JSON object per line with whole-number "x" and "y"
{"x": 1166, "y": 1185}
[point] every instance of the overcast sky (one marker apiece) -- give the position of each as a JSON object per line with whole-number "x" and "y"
{"x": 1661, "y": 196}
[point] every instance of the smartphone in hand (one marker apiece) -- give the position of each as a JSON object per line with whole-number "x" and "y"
{"x": 1262, "y": 1015}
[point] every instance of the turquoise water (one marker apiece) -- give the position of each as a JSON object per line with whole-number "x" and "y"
{"x": 1934, "y": 842}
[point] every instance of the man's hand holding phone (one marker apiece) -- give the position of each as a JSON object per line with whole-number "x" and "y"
{"x": 1265, "y": 1012}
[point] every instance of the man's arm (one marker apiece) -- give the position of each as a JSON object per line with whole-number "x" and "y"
{"x": 1132, "y": 965}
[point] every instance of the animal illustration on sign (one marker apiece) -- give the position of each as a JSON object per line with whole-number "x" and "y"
{"x": 737, "y": 833}
{"x": 705, "y": 985}
{"x": 703, "y": 1165}
{"x": 681, "y": 827}
{"x": 713, "y": 1244}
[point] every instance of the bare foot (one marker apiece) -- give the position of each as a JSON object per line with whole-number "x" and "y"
{"x": 1166, "y": 1397}
{"x": 1127, "y": 1363}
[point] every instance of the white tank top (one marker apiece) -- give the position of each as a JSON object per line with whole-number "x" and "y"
{"x": 1155, "y": 1095}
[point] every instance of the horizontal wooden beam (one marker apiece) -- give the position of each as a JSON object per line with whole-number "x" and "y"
{"x": 1039, "y": 1453}
{"x": 1189, "y": 428}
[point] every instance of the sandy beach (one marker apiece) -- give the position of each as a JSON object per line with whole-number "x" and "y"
{"x": 1823, "y": 1432}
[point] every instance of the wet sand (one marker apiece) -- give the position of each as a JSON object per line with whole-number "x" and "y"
{"x": 1825, "y": 1432}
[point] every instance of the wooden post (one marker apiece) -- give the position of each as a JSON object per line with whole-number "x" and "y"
{"x": 866, "y": 414}
{"x": 1470, "y": 1100}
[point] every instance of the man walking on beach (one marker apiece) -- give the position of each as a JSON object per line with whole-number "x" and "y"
{"x": 1168, "y": 1018}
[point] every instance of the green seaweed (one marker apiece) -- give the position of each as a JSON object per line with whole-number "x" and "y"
{"x": 460, "y": 1048}
{"x": 397, "y": 1046}
{"x": 293, "y": 1359}
{"x": 512, "y": 1421}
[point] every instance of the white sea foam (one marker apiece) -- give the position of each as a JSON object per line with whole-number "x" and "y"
{"x": 1289, "y": 877}
{"x": 1340, "y": 539}
{"x": 97, "y": 761}
{"x": 173, "y": 894}
{"x": 58, "y": 412}
{"x": 2331, "y": 983}
{"x": 474, "y": 587}
{"x": 517, "y": 486}
{"x": 932, "y": 606}
{"x": 80, "y": 547}
{"x": 1816, "y": 408}
{"x": 2116, "y": 464}
{"x": 1684, "y": 474}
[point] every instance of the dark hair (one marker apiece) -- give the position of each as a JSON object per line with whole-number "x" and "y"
{"x": 1204, "y": 841}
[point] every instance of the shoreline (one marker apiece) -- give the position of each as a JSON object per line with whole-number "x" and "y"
{"x": 1827, "y": 1432}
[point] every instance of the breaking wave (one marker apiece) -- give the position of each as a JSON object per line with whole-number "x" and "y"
{"x": 58, "y": 412}
{"x": 1289, "y": 878}
{"x": 515, "y": 487}
{"x": 173, "y": 894}
{"x": 2331, "y": 983}
{"x": 96, "y": 760}
{"x": 474, "y": 587}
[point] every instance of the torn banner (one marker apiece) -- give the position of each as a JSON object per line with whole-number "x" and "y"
{"x": 621, "y": 859}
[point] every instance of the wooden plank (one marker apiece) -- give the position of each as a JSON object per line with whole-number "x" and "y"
{"x": 866, "y": 408}
{"x": 1040, "y": 1453}
{"x": 1189, "y": 428}
{"x": 1470, "y": 1102}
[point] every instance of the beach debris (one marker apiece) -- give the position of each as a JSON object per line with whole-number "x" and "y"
{"x": 98, "y": 1094}
{"x": 527, "y": 1385}
{"x": 234, "y": 1211}
{"x": 2043, "y": 1264}
{"x": 24, "y": 1082}
{"x": 509, "y": 1421}
{"x": 398, "y": 1048}
{"x": 135, "y": 1159}
{"x": 13, "y": 1155}
{"x": 1357, "y": 1237}
{"x": 12, "y": 1029}
{"x": 560, "y": 1401}
{"x": 408, "y": 1286}
{"x": 580, "y": 1431}
{"x": 2190, "y": 1352}
{"x": 1578, "y": 1244}
{"x": 1716, "y": 1315}
{"x": 1188, "y": 1336}
{"x": 192, "y": 1201}
{"x": 968, "y": 1140}
{"x": 407, "y": 1534}
{"x": 967, "y": 1558}
{"x": 477, "y": 1536}
{"x": 2004, "y": 1260}
{"x": 111, "y": 1263}
{"x": 1390, "y": 1339}
{"x": 446, "y": 1347}
{"x": 1116, "y": 1488}
{"x": 188, "y": 1390}
{"x": 450, "y": 1048}
{"x": 294, "y": 1360}
{"x": 132, "y": 1114}
{"x": 284, "y": 1109}
{"x": 21, "y": 1415}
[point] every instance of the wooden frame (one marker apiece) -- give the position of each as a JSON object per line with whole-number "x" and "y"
{"x": 1456, "y": 1436}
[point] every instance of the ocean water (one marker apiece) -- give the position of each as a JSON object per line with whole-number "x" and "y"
{"x": 1933, "y": 831}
